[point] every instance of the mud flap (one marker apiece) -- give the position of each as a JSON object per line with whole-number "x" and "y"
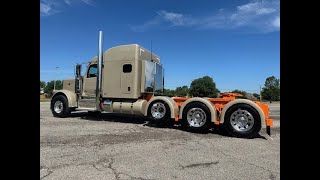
{"x": 269, "y": 131}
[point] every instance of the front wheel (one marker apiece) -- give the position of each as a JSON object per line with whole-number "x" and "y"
{"x": 159, "y": 112}
{"x": 242, "y": 120}
{"x": 60, "y": 107}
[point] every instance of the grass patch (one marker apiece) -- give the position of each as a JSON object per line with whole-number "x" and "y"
{"x": 44, "y": 100}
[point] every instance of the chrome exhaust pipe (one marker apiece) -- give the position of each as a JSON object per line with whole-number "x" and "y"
{"x": 99, "y": 73}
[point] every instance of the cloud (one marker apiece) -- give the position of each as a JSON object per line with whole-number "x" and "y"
{"x": 50, "y": 7}
{"x": 68, "y": 2}
{"x": 256, "y": 7}
{"x": 265, "y": 11}
{"x": 88, "y": 2}
{"x": 44, "y": 8}
{"x": 263, "y": 16}
{"x": 163, "y": 17}
{"x": 47, "y": 8}
{"x": 175, "y": 18}
{"x": 255, "y": 14}
{"x": 276, "y": 22}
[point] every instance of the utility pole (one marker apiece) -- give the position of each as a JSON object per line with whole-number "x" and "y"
{"x": 54, "y": 85}
{"x": 260, "y": 94}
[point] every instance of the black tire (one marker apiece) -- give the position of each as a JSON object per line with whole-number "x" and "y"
{"x": 202, "y": 111}
{"x": 162, "y": 120}
{"x": 251, "y": 121}
{"x": 61, "y": 109}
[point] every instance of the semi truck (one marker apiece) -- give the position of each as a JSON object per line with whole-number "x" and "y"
{"x": 129, "y": 79}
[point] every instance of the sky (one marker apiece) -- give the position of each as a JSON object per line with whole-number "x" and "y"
{"x": 235, "y": 42}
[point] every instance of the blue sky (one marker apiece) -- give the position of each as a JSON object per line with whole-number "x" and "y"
{"x": 236, "y": 42}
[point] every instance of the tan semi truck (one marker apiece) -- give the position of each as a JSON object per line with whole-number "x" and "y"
{"x": 130, "y": 79}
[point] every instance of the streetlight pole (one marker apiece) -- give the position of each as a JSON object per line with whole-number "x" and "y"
{"x": 260, "y": 94}
{"x": 54, "y": 85}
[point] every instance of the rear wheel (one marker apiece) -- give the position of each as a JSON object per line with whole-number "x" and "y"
{"x": 59, "y": 106}
{"x": 159, "y": 112}
{"x": 196, "y": 117}
{"x": 242, "y": 120}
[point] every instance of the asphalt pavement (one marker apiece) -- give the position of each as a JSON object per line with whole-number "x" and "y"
{"x": 114, "y": 146}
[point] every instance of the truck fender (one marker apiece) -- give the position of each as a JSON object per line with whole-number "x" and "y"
{"x": 71, "y": 96}
{"x": 244, "y": 101}
{"x": 205, "y": 102}
{"x": 174, "y": 109}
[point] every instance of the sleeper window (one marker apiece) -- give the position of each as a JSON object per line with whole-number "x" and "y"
{"x": 127, "y": 68}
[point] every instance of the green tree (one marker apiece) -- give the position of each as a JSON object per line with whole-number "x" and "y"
{"x": 182, "y": 91}
{"x": 271, "y": 89}
{"x": 168, "y": 92}
{"x": 243, "y": 93}
{"x": 50, "y": 85}
{"x": 256, "y": 95}
{"x": 203, "y": 87}
{"x": 42, "y": 84}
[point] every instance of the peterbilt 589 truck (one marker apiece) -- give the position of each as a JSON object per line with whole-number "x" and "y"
{"x": 129, "y": 79}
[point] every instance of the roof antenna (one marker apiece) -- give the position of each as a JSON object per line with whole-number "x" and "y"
{"x": 151, "y": 50}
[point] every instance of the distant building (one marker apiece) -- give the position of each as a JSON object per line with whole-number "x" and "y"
{"x": 41, "y": 91}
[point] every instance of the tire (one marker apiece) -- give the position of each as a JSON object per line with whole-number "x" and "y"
{"x": 243, "y": 121}
{"x": 60, "y": 107}
{"x": 196, "y": 117}
{"x": 159, "y": 112}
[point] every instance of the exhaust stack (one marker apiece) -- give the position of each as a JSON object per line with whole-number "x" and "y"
{"x": 99, "y": 73}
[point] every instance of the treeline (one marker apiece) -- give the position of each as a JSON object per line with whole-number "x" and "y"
{"x": 201, "y": 87}
{"x": 48, "y": 87}
{"x": 206, "y": 87}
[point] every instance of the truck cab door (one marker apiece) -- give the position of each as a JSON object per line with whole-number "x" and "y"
{"x": 89, "y": 81}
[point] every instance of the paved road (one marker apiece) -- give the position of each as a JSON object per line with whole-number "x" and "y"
{"x": 126, "y": 147}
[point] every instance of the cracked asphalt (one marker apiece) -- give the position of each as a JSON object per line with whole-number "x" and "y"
{"x": 113, "y": 146}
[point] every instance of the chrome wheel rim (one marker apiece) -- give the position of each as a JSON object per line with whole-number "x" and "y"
{"x": 196, "y": 117}
{"x": 242, "y": 120}
{"x": 58, "y": 106}
{"x": 158, "y": 110}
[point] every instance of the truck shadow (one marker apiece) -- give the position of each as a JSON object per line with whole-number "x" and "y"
{"x": 218, "y": 130}
{"x": 110, "y": 117}
{"x": 135, "y": 119}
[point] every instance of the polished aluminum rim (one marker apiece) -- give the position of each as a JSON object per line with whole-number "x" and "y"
{"x": 242, "y": 120}
{"x": 58, "y": 106}
{"x": 196, "y": 117}
{"x": 158, "y": 110}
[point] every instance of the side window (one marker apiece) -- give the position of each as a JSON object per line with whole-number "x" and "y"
{"x": 127, "y": 68}
{"x": 92, "y": 72}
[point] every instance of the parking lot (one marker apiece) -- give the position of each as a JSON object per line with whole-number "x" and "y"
{"x": 112, "y": 146}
